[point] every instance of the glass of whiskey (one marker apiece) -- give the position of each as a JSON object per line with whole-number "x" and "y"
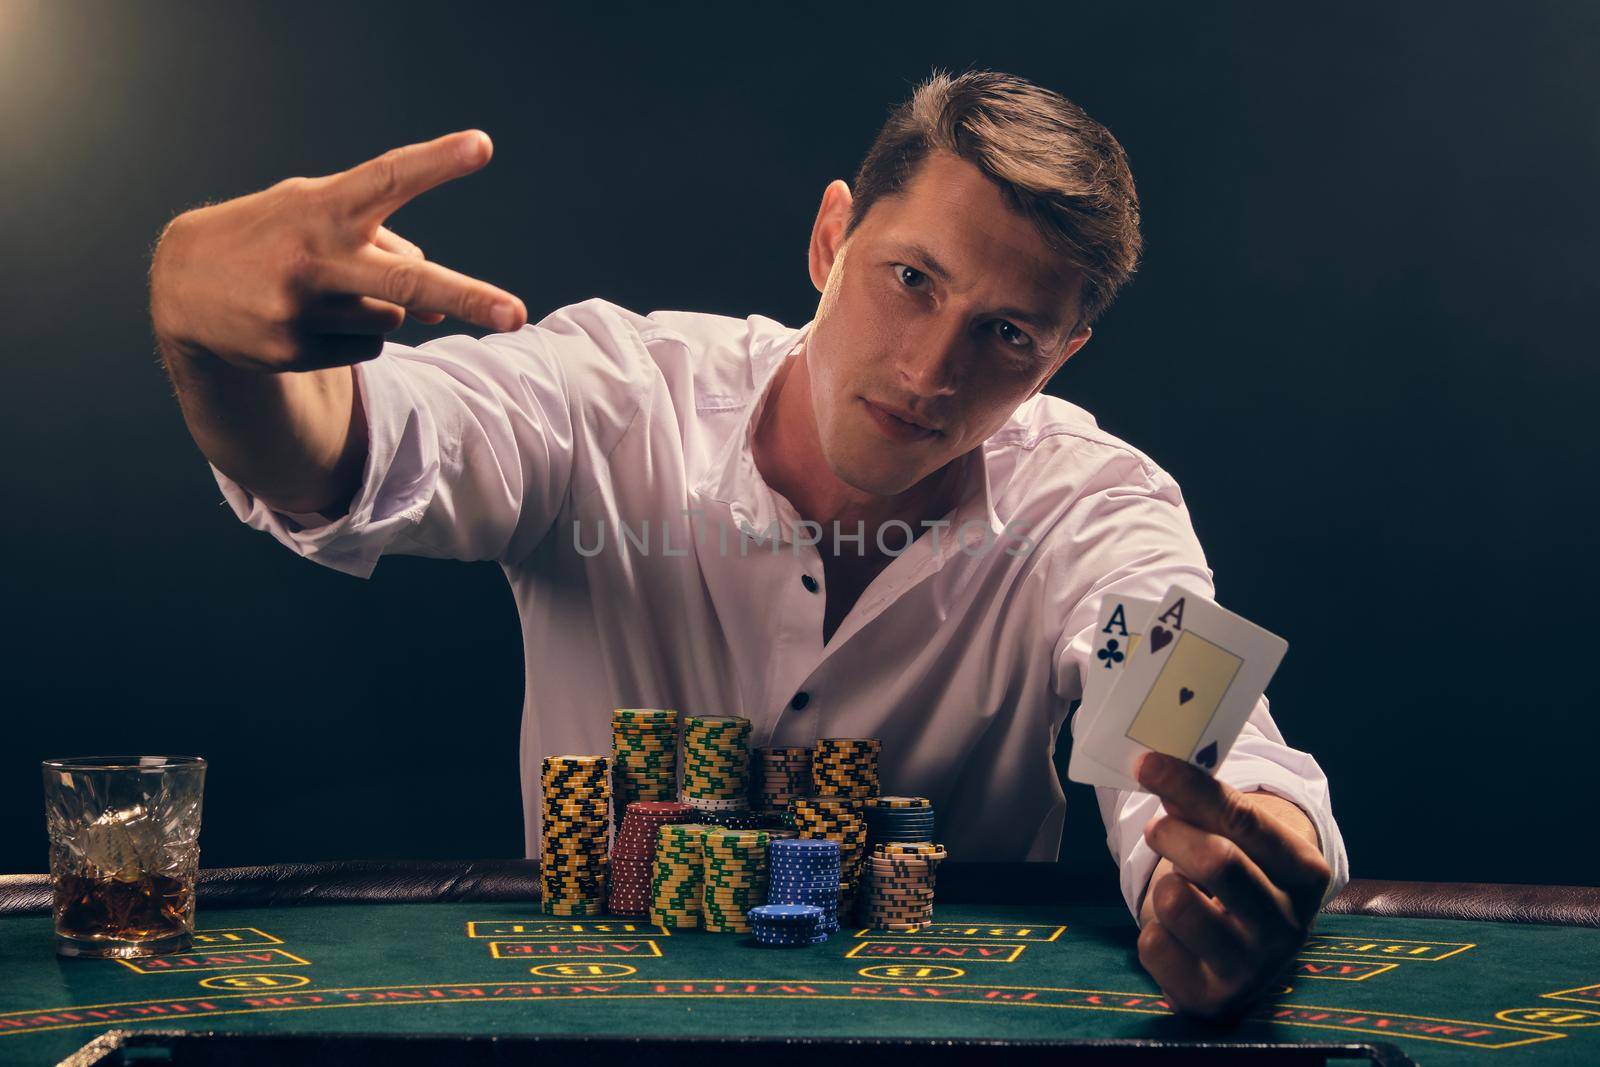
{"x": 124, "y": 852}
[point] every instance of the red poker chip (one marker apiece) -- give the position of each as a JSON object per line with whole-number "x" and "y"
{"x": 659, "y": 807}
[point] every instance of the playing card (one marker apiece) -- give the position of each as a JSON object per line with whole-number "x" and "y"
{"x": 1188, "y": 687}
{"x": 1120, "y": 622}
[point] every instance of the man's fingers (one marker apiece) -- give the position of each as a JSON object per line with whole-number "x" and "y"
{"x": 319, "y": 351}
{"x": 374, "y": 190}
{"x": 420, "y": 285}
{"x": 1197, "y": 798}
{"x": 390, "y": 241}
{"x": 1200, "y": 925}
{"x": 1188, "y": 982}
{"x": 343, "y": 313}
{"x": 1222, "y": 869}
{"x": 1179, "y": 972}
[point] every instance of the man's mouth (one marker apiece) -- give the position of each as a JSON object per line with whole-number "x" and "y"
{"x": 897, "y": 425}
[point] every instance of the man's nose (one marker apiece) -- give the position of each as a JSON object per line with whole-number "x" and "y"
{"x": 931, "y": 360}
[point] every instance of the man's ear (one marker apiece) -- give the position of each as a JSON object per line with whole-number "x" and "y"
{"x": 1079, "y": 338}
{"x": 827, "y": 232}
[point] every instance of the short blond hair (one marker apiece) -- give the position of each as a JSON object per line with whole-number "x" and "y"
{"x": 1054, "y": 164}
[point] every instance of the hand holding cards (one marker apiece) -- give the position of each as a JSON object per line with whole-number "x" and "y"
{"x": 1179, "y": 675}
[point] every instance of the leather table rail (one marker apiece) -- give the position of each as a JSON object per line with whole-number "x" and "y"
{"x": 450, "y": 881}
{"x": 333, "y": 882}
{"x": 1561, "y": 905}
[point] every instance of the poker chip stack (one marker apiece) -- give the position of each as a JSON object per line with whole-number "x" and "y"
{"x": 716, "y": 763}
{"x": 572, "y": 845}
{"x": 806, "y": 871}
{"x": 840, "y": 820}
{"x": 845, "y": 767}
{"x": 644, "y": 756}
{"x": 678, "y": 874}
{"x": 735, "y": 878}
{"x": 787, "y": 925}
{"x": 735, "y": 819}
{"x": 633, "y": 852}
{"x": 780, "y": 775}
{"x": 899, "y": 819}
{"x": 899, "y": 891}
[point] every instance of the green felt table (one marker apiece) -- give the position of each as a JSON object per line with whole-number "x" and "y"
{"x": 1440, "y": 991}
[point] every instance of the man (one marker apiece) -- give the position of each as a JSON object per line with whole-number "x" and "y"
{"x": 874, "y": 525}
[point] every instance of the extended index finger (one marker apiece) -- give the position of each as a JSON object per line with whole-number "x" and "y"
{"x": 372, "y": 191}
{"x": 1218, "y": 808}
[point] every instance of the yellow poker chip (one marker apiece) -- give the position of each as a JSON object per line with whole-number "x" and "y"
{"x": 573, "y": 863}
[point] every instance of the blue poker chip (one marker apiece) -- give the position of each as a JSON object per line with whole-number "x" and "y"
{"x": 810, "y": 900}
{"x": 783, "y": 913}
{"x": 820, "y": 865}
{"x": 772, "y": 942}
{"x": 804, "y": 876}
{"x": 806, "y": 936}
{"x": 817, "y": 863}
{"x": 818, "y": 878}
{"x": 804, "y": 844}
{"x": 805, "y": 865}
{"x": 793, "y": 900}
{"x": 826, "y": 911}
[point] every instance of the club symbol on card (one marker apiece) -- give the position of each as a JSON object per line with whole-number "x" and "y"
{"x": 1160, "y": 637}
{"x": 1185, "y": 694}
{"x": 1207, "y": 757}
{"x": 1111, "y": 654}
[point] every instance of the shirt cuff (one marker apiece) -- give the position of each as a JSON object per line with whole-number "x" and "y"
{"x": 1280, "y": 782}
{"x": 397, "y": 483}
{"x": 1140, "y": 863}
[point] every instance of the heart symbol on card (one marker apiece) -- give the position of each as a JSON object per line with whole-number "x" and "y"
{"x": 1185, "y": 694}
{"x": 1160, "y": 637}
{"x": 1207, "y": 757}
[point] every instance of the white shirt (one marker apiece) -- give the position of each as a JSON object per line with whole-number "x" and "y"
{"x": 964, "y": 656}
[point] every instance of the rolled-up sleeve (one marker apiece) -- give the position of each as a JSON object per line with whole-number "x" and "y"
{"x": 1136, "y": 539}
{"x": 472, "y": 444}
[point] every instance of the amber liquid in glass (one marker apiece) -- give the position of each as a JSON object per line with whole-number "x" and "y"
{"x": 149, "y": 909}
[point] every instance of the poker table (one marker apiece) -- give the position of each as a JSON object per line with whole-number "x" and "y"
{"x": 452, "y": 963}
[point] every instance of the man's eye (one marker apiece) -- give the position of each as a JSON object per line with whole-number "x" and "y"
{"x": 901, "y": 270}
{"x": 1021, "y": 340}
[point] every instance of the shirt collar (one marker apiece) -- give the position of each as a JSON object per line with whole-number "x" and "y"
{"x": 734, "y": 479}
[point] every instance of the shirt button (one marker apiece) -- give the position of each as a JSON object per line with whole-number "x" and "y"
{"x": 809, "y": 582}
{"x": 801, "y": 699}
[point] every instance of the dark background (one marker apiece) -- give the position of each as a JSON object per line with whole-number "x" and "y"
{"x": 1363, "y": 340}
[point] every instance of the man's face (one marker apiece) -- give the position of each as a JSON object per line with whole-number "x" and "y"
{"x": 944, "y": 305}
